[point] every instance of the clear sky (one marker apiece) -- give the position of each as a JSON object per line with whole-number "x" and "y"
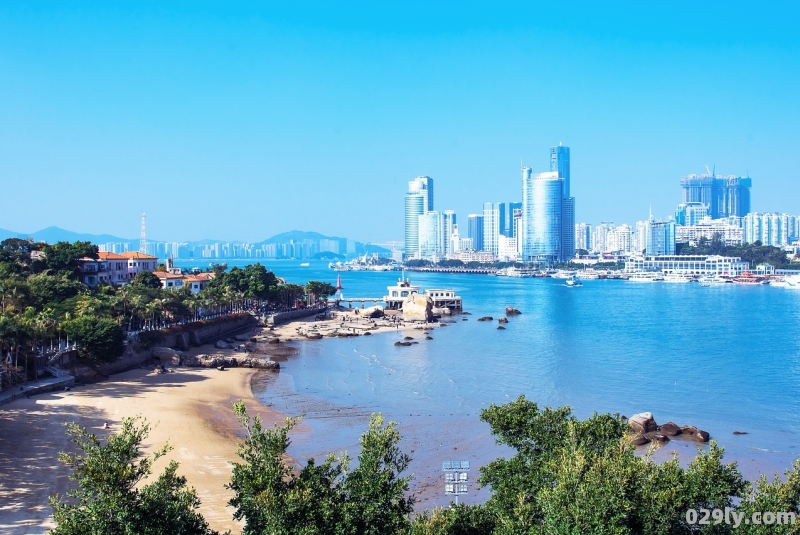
{"x": 235, "y": 120}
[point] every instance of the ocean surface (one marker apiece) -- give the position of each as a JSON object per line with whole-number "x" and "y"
{"x": 723, "y": 358}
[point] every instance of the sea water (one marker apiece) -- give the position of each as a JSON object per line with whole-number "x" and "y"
{"x": 724, "y": 358}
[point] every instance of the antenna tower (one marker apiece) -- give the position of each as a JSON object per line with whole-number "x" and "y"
{"x": 143, "y": 235}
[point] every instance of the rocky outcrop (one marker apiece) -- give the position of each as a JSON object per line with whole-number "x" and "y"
{"x": 511, "y": 311}
{"x": 402, "y": 344}
{"x": 371, "y": 312}
{"x": 221, "y": 344}
{"x": 642, "y": 423}
{"x": 502, "y": 320}
{"x": 242, "y": 337}
{"x": 213, "y": 361}
{"x": 501, "y": 328}
{"x": 167, "y": 355}
{"x": 643, "y": 427}
{"x": 418, "y": 308}
{"x": 486, "y": 318}
{"x": 670, "y": 429}
{"x": 441, "y": 311}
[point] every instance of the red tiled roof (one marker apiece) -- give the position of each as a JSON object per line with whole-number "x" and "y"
{"x": 137, "y": 255}
{"x": 105, "y": 255}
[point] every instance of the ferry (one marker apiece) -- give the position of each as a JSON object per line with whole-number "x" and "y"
{"x": 710, "y": 280}
{"x": 511, "y": 271}
{"x": 749, "y": 278}
{"x": 587, "y": 274}
{"x": 646, "y": 276}
{"x": 788, "y": 281}
{"x": 563, "y": 274}
{"x": 677, "y": 278}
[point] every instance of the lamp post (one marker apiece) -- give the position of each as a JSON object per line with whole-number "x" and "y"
{"x": 455, "y": 478}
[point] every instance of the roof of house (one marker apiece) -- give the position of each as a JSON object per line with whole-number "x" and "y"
{"x": 165, "y": 275}
{"x": 200, "y": 277}
{"x": 137, "y": 255}
{"x": 105, "y": 255}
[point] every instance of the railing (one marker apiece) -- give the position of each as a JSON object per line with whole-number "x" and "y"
{"x": 55, "y": 372}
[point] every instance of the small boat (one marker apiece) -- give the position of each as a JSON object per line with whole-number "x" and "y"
{"x": 572, "y": 282}
{"x": 749, "y": 278}
{"x": 788, "y": 281}
{"x": 305, "y": 264}
{"x": 587, "y": 274}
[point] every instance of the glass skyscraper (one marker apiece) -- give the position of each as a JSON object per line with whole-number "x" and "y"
{"x": 724, "y": 196}
{"x": 542, "y": 201}
{"x": 475, "y": 231}
{"x": 415, "y": 207}
{"x": 448, "y": 225}
{"x": 430, "y": 234}
{"x": 559, "y": 163}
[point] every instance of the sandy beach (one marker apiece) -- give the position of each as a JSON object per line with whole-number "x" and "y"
{"x": 190, "y": 408}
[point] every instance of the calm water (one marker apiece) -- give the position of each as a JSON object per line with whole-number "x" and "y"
{"x": 722, "y": 358}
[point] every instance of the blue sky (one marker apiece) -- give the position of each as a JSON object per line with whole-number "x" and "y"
{"x": 241, "y": 120}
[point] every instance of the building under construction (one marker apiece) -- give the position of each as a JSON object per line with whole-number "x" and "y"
{"x": 724, "y": 196}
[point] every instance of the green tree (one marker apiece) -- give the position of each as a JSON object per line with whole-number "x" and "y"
{"x": 97, "y": 338}
{"x": 317, "y": 290}
{"x": 110, "y": 499}
{"x": 458, "y": 519}
{"x": 271, "y": 497}
{"x": 147, "y": 279}
{"x": 64, "y": 256}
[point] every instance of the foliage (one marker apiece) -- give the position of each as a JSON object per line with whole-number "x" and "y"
{"x": 458, "y": 519}
{"x": 97, "y": 338}
{"x": 417, "y": 262}
{"x": 110, "y": 498}
{"x": 254, "y": 282}
{"x": 63, "y": 257}
{"x": 319, "y": 290}
{"x": 146, "y": 279}
{"x": 327, "y": 498}
{"x": 756, "y": 253}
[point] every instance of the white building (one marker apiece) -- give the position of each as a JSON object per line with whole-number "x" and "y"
{"x": 506, "y": 249}
{"x": 600, "y": 237}
{"x": 770, "y": 228}
{"x": 640, "y": 239}
{"x": 688, "y": 264}
{"x": 620, "y": 239}
{"x": 448, "y": 224}
{"x": 483, "y": 257}
{"x": 708, "y": 228}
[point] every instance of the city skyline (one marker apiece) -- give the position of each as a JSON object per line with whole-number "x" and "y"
{"x": 124, "y": 108}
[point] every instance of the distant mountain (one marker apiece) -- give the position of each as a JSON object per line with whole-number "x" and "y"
{"x": 297, "y": 235}
{"x": 56, "y": 234}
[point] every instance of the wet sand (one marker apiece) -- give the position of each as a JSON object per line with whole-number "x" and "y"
{"x": 190, "y": 408}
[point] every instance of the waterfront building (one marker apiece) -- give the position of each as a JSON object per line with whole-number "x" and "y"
{"x": 583, "y": 236}
{"x": 430, "y": 235}
{"x": 542, "y": 217}
{"x": 770, "y": 228}
{"x": 415, "y": 207}
{"x": 448, "y": 226}
{"x": 724, "y": 196}
{"x": 690, "y": 213}
{"x": 709, "y": 228}
{"x": 475, "y": 231}
{"x": 660, "y": 238}
{"x": 424, "y": 186}
{"x": 472, "y": 255}
{"x": 688, "y": 264}
{"x": 506, "y": 249}
{"x": 454, "y": 241}
{"x": 620, "y": 239}
{"x": 465, "y": 244}
{"x": 491, "y": 226}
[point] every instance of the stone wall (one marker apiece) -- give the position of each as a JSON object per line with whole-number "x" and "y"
{"x": 294, "y": 314}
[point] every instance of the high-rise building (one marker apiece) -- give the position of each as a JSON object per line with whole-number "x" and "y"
{"x": 415, "y": 207}
{"x": 660, "y": 238}
{"x": 724, "y": 196}
{"x": 430, "y": 234}
{"x": 600, "y": 237}
{"x": 583, "y": 236}
{"x": 507, "y": 211}
{"x": 491, "y": 226}
{"x": 542, "y": 204}
{"x": 690, "y": 213}
{"x": 559, "y": 163}
{"x": 448, "y": 226}
{"x": 423, "y": 185}
{"x": 640, "y": 238}
{"x": 620, "y": 239}
{"x": 770, "y": 228}
{"x": 475, "y": 230}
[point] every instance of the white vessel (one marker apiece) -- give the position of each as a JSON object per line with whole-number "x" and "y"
{"x": 789, "y": 281}
{"x": 677, "y": 278}
{"x": 587, "y": 274}
{"x": 646, "y": 276}
{"x": 305, "y": 264}
{"x": 563, "y": 274}
{"x": 710, "y": 280}
{"x": 511, "y": 271}
{"x": 572, "y": 282}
